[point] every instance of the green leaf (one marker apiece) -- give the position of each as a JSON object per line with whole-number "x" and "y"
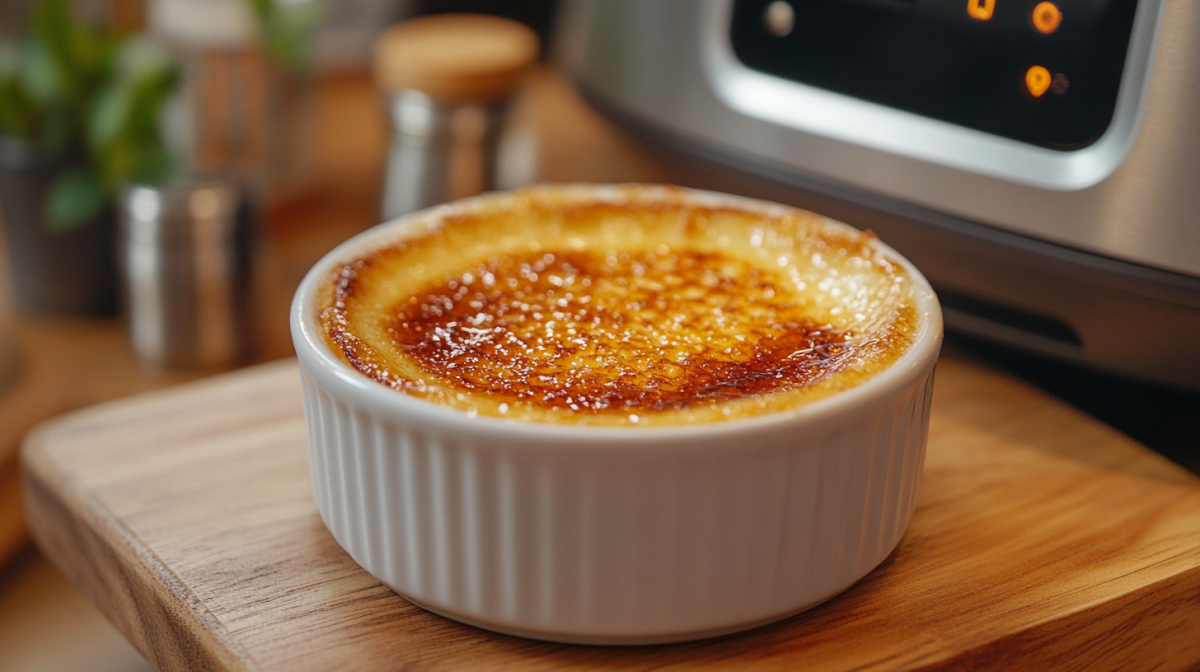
{"x": 18, "y": 112}
{"x": 74, "y": 197}
{"x": 150, "y": 96}
{"x": 263, "y": 9}
{"x": 286, "y": 30}
{"x": 153, "y": 164}
{"x": 116, "y": 162}
{"x": 53, "y": 32}
{"x": 123, "y": 131}
{"x": 42, "y": 75}
{"x": 109, "y": 115}
{"x": 58, "y": 128}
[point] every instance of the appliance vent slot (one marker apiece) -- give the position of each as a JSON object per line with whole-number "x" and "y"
{"x": 1034, "y": 324}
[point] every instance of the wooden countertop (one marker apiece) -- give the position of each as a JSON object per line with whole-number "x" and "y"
{"x": 1041, "y": 540}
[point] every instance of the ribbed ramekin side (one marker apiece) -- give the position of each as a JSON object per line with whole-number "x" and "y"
{"x": 584, "y": 542}
{"x": 893, "y": 473}
{"x": 312, "y": 425}
{"x": 851, "y": 495}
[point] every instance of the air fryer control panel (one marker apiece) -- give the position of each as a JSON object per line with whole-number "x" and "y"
{"x": 1041, "y": 72}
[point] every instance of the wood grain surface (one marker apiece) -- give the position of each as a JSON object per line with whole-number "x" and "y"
{"x": 55, "y": 375}
{"x": 1042, "y": 541}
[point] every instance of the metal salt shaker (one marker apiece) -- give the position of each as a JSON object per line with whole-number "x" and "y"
{"x": 185, "y": 252}
{"x": 448, "y": 79}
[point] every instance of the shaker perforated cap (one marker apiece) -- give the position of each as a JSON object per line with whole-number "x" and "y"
{"x": 455, "y": 58}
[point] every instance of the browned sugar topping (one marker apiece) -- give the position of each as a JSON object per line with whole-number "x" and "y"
{"x": 554, "y": 306}
{"x": 644, "y": 332}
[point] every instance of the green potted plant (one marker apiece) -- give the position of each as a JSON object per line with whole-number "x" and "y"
{"x": 79, "y": 116}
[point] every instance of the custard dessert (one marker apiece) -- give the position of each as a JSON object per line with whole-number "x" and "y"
{"x": 633, "y": 305}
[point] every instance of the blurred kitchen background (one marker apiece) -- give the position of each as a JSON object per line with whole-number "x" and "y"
{"x": 169, "y": 170}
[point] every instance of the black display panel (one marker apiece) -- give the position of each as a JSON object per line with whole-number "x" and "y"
{"x": 967, "y": 62}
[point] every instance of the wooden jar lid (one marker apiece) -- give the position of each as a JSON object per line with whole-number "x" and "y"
{"x": 455, "y": 58}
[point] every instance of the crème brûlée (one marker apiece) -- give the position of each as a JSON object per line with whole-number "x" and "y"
{"x": 632, "y": 305}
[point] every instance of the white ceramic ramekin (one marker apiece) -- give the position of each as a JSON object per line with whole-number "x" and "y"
{"x": 612, "y": 535}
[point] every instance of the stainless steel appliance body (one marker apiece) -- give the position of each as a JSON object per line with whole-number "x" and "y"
{"x": 1084, "y": 248}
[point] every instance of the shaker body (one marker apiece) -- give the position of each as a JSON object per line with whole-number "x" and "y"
{"x": 186, "y": 254}
{"x": 438, "y": 152}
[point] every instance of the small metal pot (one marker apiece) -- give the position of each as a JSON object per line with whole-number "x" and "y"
{"x": 186, "y": 251}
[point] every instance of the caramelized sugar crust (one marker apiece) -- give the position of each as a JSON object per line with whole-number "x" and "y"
{"x": 634, "y": 332}
{"x": 652, "y": 312}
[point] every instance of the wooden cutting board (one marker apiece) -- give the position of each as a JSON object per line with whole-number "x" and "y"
{"x": 1042, "y": 541}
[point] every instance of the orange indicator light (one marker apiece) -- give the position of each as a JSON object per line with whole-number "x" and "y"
{"x": 981, "y": 9}
{"x": 1037, "y": 79}
{"x": 1046, "y": 17}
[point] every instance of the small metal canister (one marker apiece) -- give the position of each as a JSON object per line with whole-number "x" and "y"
{"x": 448, "y": 79}
{"x": 439, "y": 153}
{"x": 186, "y": 252}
